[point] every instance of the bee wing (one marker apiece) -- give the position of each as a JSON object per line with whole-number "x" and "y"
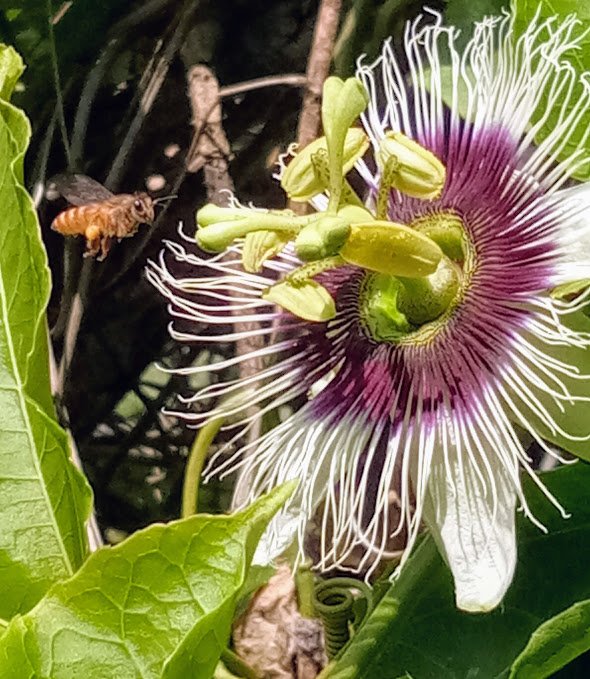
{"x": 78, "y": 189}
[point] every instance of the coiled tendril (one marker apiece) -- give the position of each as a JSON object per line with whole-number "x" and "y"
{"x": 342, "y": 604}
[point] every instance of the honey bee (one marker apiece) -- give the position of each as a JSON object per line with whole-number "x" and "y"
{"x": 99, "y": 215}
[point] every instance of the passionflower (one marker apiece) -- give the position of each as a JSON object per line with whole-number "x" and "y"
{"x": 418, "y": 380}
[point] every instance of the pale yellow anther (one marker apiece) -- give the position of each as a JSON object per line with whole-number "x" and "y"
{"x": 392, "y": 249}
{"x": 409, "y": 167}
{"x": 307, "y": 174}
{"x": 355, "y": 214}
{"x": 261, "y": 246}
{"x": 306, "y": 299}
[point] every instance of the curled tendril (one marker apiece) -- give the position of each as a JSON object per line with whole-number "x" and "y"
{"x": 342, "y": 604}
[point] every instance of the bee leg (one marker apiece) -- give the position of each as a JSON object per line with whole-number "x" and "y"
{"x": 92, "y": 234}
{"x": 105, "y": 246}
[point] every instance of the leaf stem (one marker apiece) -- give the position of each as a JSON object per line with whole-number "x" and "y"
{"x": 194, "y": 466}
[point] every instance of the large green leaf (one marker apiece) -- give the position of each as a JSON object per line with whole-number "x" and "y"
{"x": 44, "y": 501}
{"x": 159, "y": 604}
{"x": 555, "y": 643}
{"x": 417, "y": 630}
{"x": 525, "y": 11}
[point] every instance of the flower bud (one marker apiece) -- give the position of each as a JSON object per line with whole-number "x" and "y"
{"x": 342, "y": 103}
{"x": 321, "y": 238}
{"x": 409, "y": 167}
{"x": 218, "y": 227}
{"x": 306, "y": 299}
{"x": 390, "y": 248}
{"x": 307, "y": 174}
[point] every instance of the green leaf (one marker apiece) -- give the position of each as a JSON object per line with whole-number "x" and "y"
{"x": 462, "y": 15}
{"x": 44, "y": 501}
{"x": 555, "y": 643}
{"x": 11, "y": 68}
{"x": 573, "y": 288}
{"x": 525, "y": 11}
{"x": 417, "y": 630}
{"x": 159, "y": 604}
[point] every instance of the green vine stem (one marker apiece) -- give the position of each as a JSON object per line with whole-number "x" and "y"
{"x": 341, "y": 610}
{"x": 305, "y": 584}
{"x": 194, "y": 466}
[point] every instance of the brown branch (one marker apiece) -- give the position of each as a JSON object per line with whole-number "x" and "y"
{"x": 290, "y": 79}
{"x": 94, "y": 80}
{"x": 209, "y": 148}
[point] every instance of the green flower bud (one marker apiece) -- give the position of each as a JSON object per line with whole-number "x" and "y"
{"x": 342, "y": 103}
{"x": 321, "y": 238}
{"x": 307, "y": 174}
{"x": 391, "y": 248}
{"x": 306, "y": 299}
{"x": 218, "y": 227}
{"x": 409, "y": 167}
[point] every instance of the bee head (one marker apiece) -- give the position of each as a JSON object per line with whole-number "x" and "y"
{"x": 143, "y": 208}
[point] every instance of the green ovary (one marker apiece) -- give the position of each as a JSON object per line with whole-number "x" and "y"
{"x": 394, "y": 307}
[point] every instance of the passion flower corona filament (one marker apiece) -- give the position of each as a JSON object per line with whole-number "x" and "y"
{"x": 417, "y": 368}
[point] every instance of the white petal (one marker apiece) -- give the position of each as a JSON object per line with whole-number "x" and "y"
{"x": 473, "y": 525}
{"x": 279, "y": 534}
{"x": 574, "y": 234}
